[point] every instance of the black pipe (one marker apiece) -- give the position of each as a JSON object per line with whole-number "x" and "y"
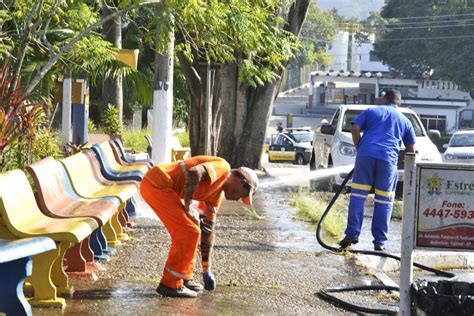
{"x": 324, "y": 292}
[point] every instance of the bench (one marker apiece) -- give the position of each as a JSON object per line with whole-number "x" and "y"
{"x": 87, "y": 185}
{"x": 111, "y": 169}
{"x": 121, "y": 156}
{"x": 15, "y": 267}
{"x": 21, "y": 218}
{"x": 130, "y": 208}
{"x": 177, "y": 151}
{"x": 131, "y": 157}
{"x": 56, "y": 197}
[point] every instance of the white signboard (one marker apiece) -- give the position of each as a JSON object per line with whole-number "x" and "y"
{"x": 445, "y": 207}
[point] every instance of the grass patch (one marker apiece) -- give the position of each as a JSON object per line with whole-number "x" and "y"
{"x": 136, "y": 139}
{"x": 310, "y": 207}
{"x": 183, "y": 137}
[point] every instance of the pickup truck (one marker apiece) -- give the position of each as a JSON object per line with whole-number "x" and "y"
{"x": 333, "y": 146}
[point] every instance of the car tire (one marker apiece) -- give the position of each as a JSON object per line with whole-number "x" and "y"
{"x": 299, "y": 160}
{"x": 312, "y": 162}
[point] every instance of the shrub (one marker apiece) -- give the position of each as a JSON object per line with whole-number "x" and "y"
{"x": 46, "y": 143}
{"x": 111, "y": 124}
{"x": 91, "y": 127}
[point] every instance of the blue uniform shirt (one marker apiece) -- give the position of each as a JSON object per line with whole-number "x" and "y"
{"x": 384, "y": 128}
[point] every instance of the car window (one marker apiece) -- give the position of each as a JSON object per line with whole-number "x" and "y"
{"x": 335, "y": 119}
{"x": 279, "y": 140}
{"x": 415, "y": 123}
{"x": 349, "y": 117}
{"x": 303, "y": 137}
{"x": 286, "y": 141}
{"x": 462, "y": 140}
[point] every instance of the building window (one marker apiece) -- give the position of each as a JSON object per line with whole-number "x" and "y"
{"x": 373, "y": 57}
{"x": 434, "y": 122}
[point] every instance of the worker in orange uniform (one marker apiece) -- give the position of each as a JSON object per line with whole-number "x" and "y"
{"x": 170, "y": 189}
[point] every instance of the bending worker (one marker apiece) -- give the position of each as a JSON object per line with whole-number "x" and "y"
{"x": 384, "y": 129}
{"x": 170, "y": 189}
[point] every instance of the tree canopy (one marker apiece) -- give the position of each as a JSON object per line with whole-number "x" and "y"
{"x": 418, "y": 36}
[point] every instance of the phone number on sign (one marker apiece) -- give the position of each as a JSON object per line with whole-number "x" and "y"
{"x": 434, "y": 212}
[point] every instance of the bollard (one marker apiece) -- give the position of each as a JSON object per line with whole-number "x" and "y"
{"x": 289, "y": 120}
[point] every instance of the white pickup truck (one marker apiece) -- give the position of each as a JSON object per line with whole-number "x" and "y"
{"x": 333, "y": 146}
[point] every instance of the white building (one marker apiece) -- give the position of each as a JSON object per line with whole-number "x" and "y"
{"x": 440, "y": 104}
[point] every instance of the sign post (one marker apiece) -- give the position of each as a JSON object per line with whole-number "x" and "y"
{"x": 438, "y": 214}
{"x": 406, "y": 258}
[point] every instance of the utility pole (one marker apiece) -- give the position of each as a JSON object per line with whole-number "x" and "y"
{"x": 163, "y": 98}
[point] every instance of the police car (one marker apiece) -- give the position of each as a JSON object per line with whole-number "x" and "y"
{"x": 292, "y": 145}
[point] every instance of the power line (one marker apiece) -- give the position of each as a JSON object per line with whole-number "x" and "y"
{"x": 432, "y": 16}
{"x": 427, "y": 38}
{"x": 416, "y": 22}
{"x": 427, "y": 26}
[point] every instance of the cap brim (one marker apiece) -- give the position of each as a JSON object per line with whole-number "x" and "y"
{"x": 247, "y": 200}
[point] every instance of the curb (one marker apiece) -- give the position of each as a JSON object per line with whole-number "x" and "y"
{"x": 283, "y": 93}
{"x": 441, "y": 261}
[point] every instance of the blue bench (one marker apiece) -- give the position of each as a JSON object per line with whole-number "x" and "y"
{"x": 15, "y": 267}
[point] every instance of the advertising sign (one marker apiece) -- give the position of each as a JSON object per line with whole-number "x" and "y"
{"x": 445, "y": 207}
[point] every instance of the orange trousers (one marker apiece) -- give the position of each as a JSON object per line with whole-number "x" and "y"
{"x": 185, "y": 234}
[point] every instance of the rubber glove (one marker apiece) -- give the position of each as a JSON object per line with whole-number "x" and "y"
{"x": 209, "y": 281}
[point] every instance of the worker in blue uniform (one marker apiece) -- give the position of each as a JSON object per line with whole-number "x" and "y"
{"x": 384, "y": 128}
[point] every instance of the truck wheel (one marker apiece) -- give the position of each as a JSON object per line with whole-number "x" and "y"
{"x": 299, "y": 160}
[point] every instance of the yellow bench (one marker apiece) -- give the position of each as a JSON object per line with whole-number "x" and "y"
{"x": 87, "y": 185}
{"x": 21, "y": 218}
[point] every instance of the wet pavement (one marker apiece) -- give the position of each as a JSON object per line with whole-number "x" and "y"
{"x": 265, "y": 262}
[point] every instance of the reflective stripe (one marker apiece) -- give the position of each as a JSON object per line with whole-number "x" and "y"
{"x": 359, "y": 195}
{"x": 183, "y": 166}
{"x": 383, "y": 202}
{"x": 384, "y": 193}
{"x": 210, "y": 208}
{"x": 213, "y": 171}
{"x": 176, "y": 274}
{"x": 210, "y": 219}
{"x": 361, "y": 186}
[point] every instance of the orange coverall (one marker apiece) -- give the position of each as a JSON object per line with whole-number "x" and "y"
{"x": 163, "y": 189}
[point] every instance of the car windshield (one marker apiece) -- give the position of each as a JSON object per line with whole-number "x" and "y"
{"x": 302, "y": 137}
{"x": 462, "y": 140}
{"x": 350, "y": 116}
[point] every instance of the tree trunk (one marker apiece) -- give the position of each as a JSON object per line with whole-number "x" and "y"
{"x": 240, "y": 113}
{"x": 112, "y": 91}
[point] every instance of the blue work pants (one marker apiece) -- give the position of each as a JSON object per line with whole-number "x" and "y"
{"x": 383, "y": 176}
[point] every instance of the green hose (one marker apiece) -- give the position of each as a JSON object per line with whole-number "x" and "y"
{"x": 324, "y": 292}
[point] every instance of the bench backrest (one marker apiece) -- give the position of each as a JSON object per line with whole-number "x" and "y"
{"x": 53, "y": 186}
{"x": 108, "y": 154}
{"x": 17, "y": 202}
{"x": 82, "y": 174}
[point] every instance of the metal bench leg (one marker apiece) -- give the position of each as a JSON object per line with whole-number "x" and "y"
{"x": 75, "y": 260}
{"x": 45, "y": 293}
{"x": 12, "y": 298}
{"x": 110, "y": 233}
{"x": 86, "y": 250}
{"x": 96, "y": 246}
{"x": 58, "y": 275}
{"x": 131, "y": 207}
{"x": 117, "y": 226}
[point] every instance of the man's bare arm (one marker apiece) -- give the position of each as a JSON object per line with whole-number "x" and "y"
{"x": 410, "y": 148}
{"x": 194, "y": 175}
{"x": 355, "y": 131}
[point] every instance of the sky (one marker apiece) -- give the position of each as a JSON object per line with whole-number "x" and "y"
{"x": 352, "y": 8}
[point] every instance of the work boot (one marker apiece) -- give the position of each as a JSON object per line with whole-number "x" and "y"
{"x": 193, "y": 286}
{"x": 379, "y": 247}
{"x": 347, "y": 241}
{"x": 180, "y": 292}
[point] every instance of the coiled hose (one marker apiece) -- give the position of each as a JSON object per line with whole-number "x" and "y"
{"x": 324, "y": 292}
